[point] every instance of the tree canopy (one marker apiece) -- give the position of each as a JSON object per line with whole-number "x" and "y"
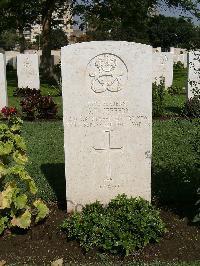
{"x": 125, "y": 20}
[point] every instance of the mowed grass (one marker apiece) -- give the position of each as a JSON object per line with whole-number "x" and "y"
{"x": 180, "y": 77}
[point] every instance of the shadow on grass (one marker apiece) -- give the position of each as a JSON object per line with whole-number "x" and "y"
{"x": 55, "y": 175}
{"x": 174, "y": 109}
{"x": 176, "y": 188}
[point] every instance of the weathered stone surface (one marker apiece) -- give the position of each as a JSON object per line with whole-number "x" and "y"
{"x": 3, "y": 83}
{"x": 28, "y": 71}
{"x": 163, "y": 68}
{"x": 193, "y": 86}
{"x": 107, "y": 101}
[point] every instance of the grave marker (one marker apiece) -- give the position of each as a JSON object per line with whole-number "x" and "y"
{"x": 3, "y": 83}
{"x": 163, "y": 68}
{"x": 28, "y": 71}
{"x": 107, "y": 105}
{"x": 193, "y": 85}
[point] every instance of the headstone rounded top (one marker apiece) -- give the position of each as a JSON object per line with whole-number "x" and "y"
{"x": 107, "y": 43}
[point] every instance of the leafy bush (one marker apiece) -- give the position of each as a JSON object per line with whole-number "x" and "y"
{"x": 8, "y": 112}
{"x": 175, "y": 90}
{"x": 124, "y": 225}
{"x": 158, "y": 98}
{"x": 29, "y": 106}
{"x": 23, "y": 92}
{"x": 179, "y": 66}
{"x": 46, "y": 107}
{"x": 192, "y": 107}
{"x": 34, "y": 105}
{"x": 18, "y": 202}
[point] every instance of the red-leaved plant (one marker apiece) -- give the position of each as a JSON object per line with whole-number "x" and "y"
{"x": 8, "y": 112}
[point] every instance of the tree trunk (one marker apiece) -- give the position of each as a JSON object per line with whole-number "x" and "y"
{"x": 22, "y": 41}
{"x": 46, "y": 62}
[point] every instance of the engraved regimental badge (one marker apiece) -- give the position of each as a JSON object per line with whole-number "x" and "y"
{"x": 107, "y": 72}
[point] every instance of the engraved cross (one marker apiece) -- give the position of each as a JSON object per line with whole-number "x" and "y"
{"x": 109, "y": 147}
{"x": 108, "y": 180}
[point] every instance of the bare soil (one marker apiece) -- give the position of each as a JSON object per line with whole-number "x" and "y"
{"x": 45, "y": 243}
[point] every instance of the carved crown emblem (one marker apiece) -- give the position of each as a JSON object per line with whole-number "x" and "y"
{"x": 106, "y": 63}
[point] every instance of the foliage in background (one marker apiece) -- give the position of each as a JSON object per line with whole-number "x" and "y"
{"x": 178, "y": 66}
{"x": 158, "y": 99}
{"x": 124, "y": 225}
{"x": 175, "y": 90}
{"x": 173, "y": 32}
{"x": 138, "y": 21}
{"x": 58, "y": 39}
{"x": 9, "y": 39}
{"x": 18, "y": 202}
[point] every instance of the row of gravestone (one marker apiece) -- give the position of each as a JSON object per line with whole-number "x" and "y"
{"x": 162, "y": 65}
{"x": 107, "y": 117}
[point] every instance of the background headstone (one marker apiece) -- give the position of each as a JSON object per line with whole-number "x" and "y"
{"x": 11, "y": 58}
{"x": 107, "y": 105}
{"x": 28, "y": 71}
{"x": 3, "y": 84}
{"x": 163, "y": 68}
{"x": 193, "y": 74}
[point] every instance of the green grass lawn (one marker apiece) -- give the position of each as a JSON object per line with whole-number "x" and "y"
{"x": 174, "y": 175}
{"x": 180, "y": 77}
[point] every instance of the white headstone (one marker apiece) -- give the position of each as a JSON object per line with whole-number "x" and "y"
{"x": 28, "y": 71}
{"x": 107, "y": 105}
{"x": 193, "y": 86}
{"x": 172, "y": 50}
{"x": 163, "y": 68}
{"x": 3, "y": 84}
{"x": 11, "y": 58}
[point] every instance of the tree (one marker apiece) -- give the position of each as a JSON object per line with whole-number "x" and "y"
{"x": 8, "y": 39}
{"x": 18, "y": 15}
{"x": 22, "y": 15}
{"x": 47, "y": 9}
{"x": 170, "y": 31}
{"x": 58, "y": 39}
{"x": 123, "y": 20}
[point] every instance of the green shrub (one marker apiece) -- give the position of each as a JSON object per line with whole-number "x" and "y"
{"x": 158, "y": 99}
{"x": 175, "y": 90}
{"x": 192, "y": 107}
{"x": 124, "y": 225}
{"x": 179, "y": 66}
{"x": 18, "y": 202}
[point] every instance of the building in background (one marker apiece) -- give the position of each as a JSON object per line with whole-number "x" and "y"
{"x": 61, "y": 22}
